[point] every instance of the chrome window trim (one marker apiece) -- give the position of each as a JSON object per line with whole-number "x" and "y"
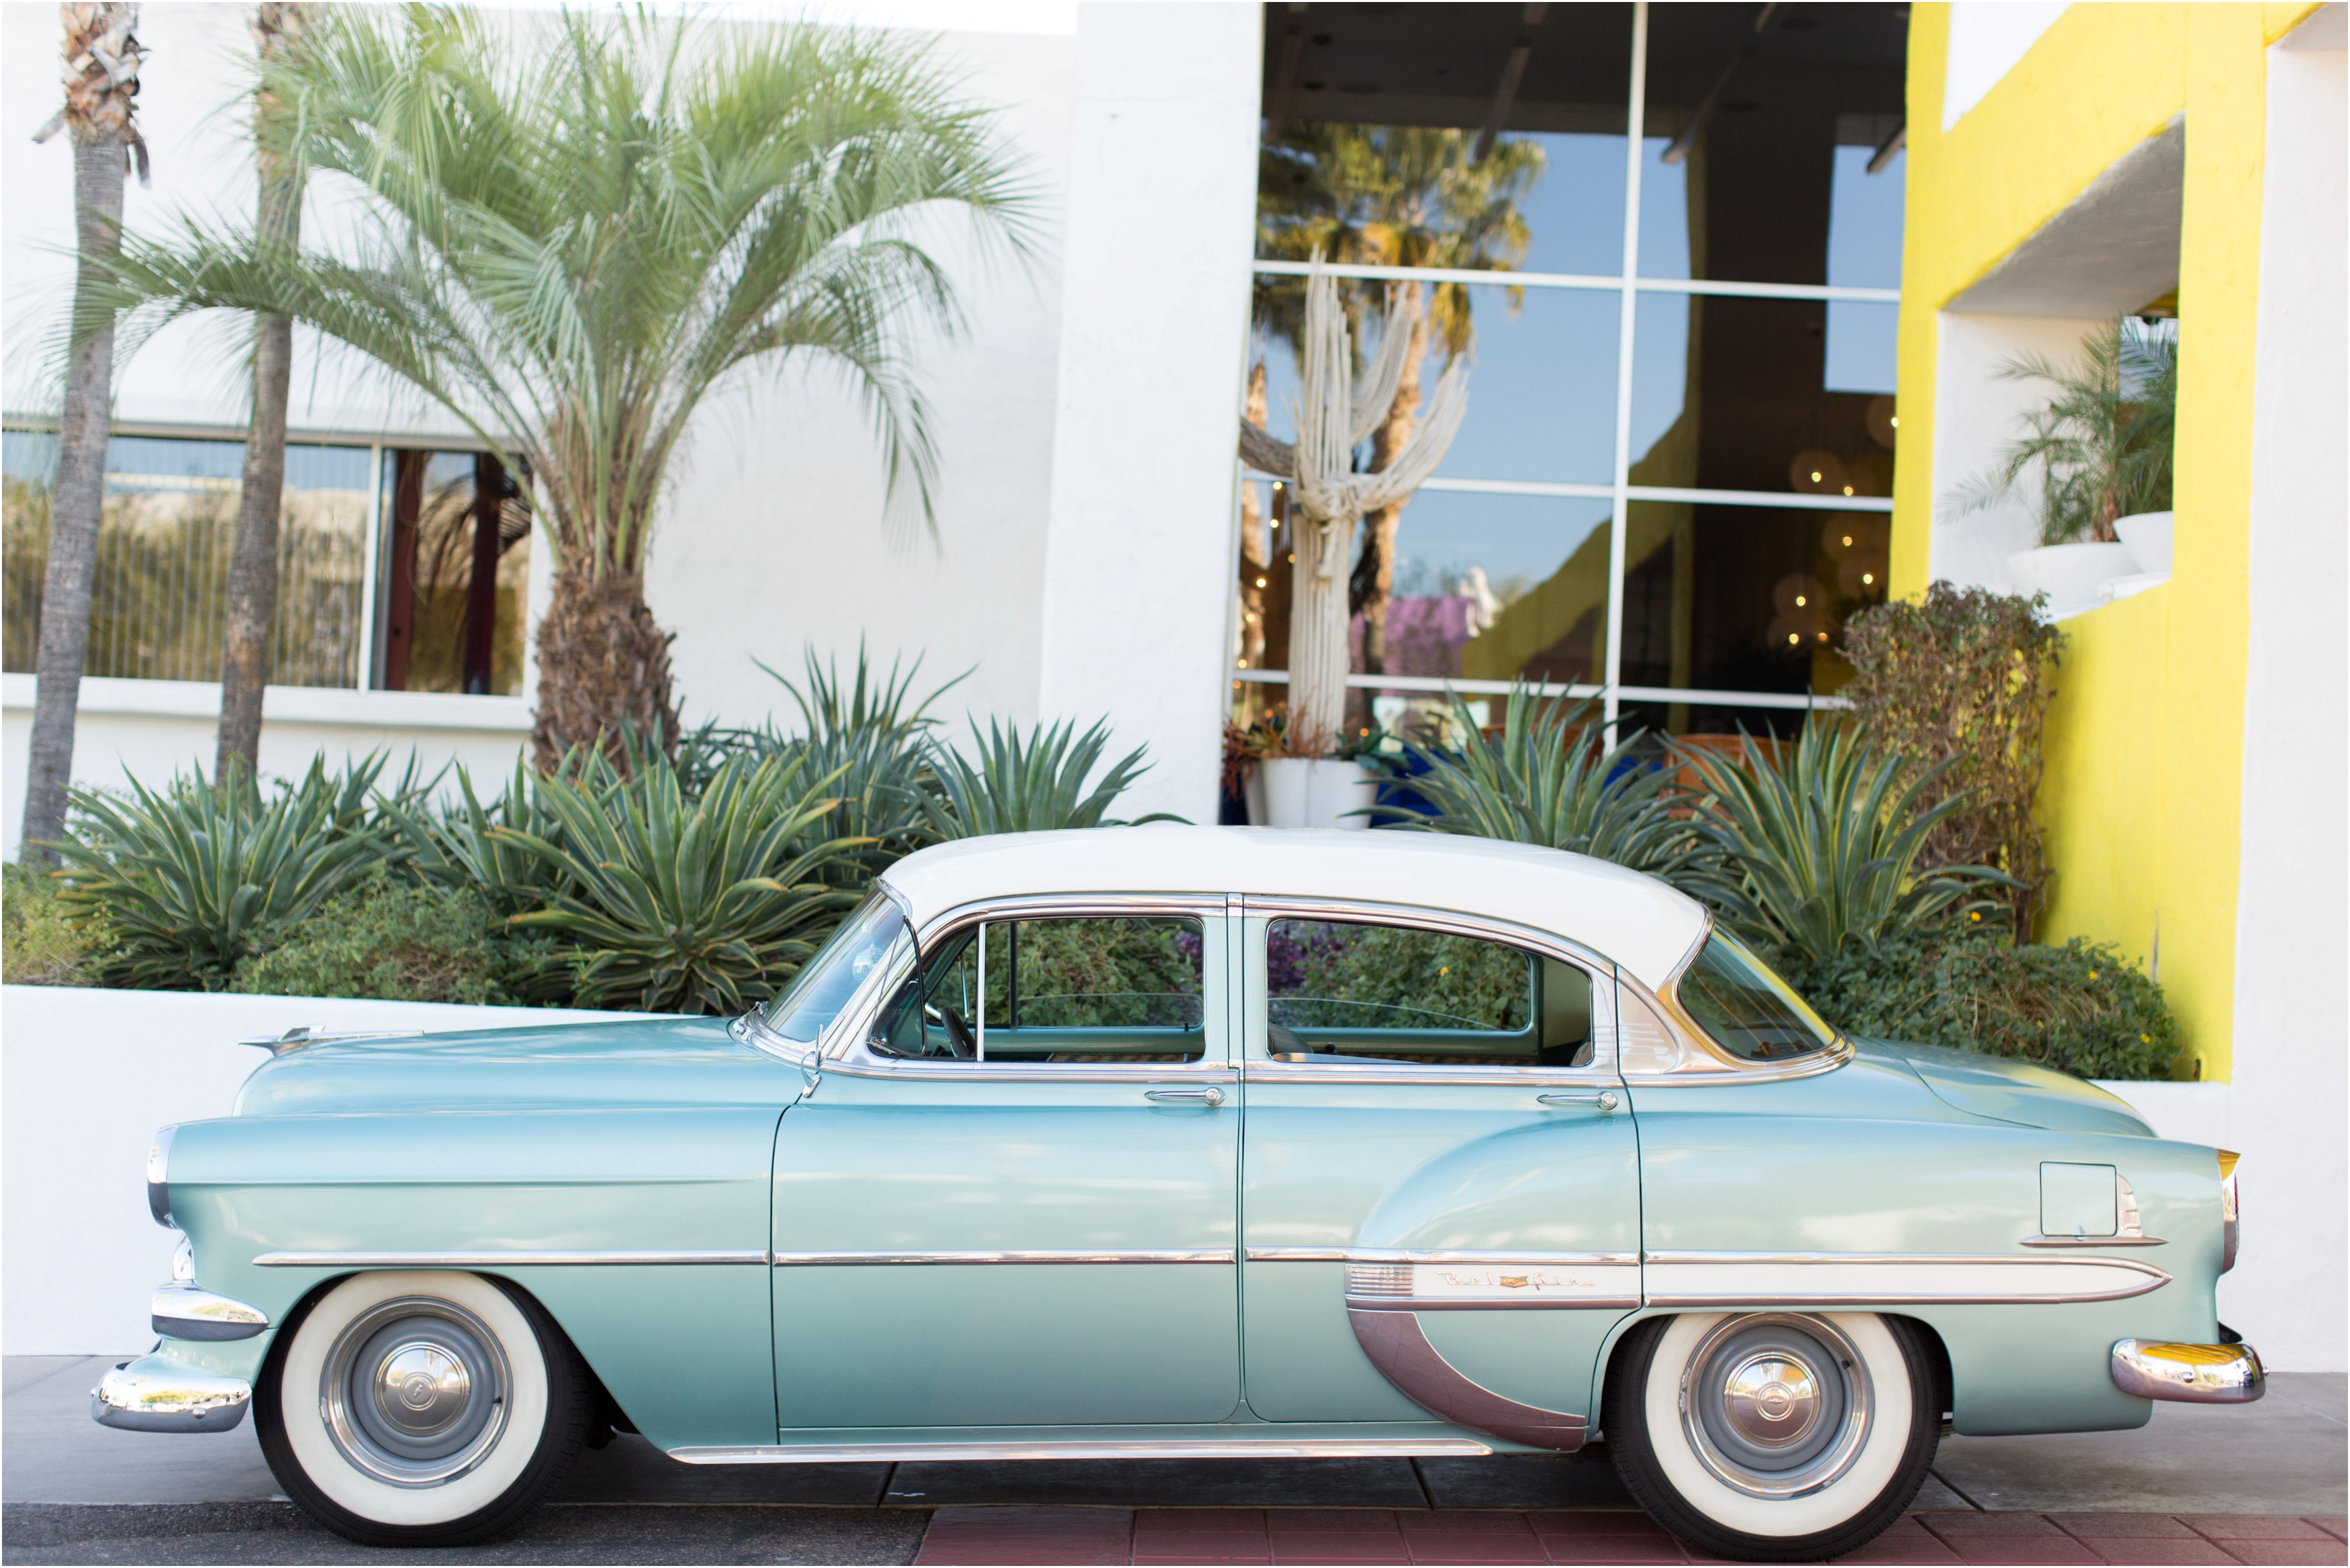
{"x": 1260, "y": 1068}
{"x": 1129, "y": 1255}
{"x": 809, "y": 1053}
{"x": 1108, "y": 1448}
{"x": 501, "y": 1260}
{"x": 843, "y": 1046}
{"x": 1703, "y": 1059}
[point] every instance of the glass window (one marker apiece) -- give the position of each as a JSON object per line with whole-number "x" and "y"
{"x": 824, "y": 983}
{"x": 1748, "y": 1011}
{"x": 1343, "y": 990}
{"x": 455, "y": 572}
{"x": 167, "y": 528}
{"x": 1078, "y": 989}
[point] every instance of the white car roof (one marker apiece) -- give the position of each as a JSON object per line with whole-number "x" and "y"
{"x": 1640, "y": 922}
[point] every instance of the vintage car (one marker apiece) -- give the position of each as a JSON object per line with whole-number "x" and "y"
{"x": 1172, "y": 1141}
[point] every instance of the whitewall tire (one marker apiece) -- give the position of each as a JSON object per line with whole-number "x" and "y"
{"x": 1772, "y": 1435}
{"x": 420, "y": 1408}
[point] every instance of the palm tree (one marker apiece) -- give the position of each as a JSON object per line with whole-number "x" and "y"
{"x": 252, "y": 618}
{"x": 579, "y": 231}
{"x": 101, "y": 55}
{"x": 1393, "y": 196}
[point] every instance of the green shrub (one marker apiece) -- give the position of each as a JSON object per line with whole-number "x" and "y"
{"x": 399, "y": 941}
{"x": 1549, "y": 779}
{"x": 39, "y": 945}
{"x": 2082, "y": 1009}
{"x": 188, "y": 878}
{"x": 1816, "y": 850}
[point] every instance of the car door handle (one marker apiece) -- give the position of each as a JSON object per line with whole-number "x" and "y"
{"x": 1605, "y": 1099}
{"x": 1210, "y": 1097}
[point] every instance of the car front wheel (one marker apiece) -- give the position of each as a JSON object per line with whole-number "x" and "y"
{"x": 1773, "y": 1437}
{"x": 420, "y": 1409}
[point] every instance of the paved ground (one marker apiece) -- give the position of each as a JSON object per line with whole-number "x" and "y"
{"x": 2263, "y": 1483}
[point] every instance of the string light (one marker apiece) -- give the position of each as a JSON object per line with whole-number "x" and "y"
{"x": 1800, "y": 601}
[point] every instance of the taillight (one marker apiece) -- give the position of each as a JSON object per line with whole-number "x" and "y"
{"x": 2228, "y": 1158}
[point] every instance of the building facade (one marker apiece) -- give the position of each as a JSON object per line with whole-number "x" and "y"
{"x": 1735, "y": 287}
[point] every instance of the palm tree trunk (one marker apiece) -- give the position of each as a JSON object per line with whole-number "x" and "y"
{"x": 253, "y": 569}
{"x": 75, "y": 507}
{"x": 603, "y": 663}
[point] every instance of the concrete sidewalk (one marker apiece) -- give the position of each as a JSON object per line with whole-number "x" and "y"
{"x": 207, "y": 1499}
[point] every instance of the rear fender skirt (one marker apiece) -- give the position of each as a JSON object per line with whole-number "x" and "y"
{"x": 1397, "y": 1347}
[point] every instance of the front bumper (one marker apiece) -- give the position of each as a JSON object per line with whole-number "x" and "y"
{"x": 2194, "y": 1374}
{"x": 157, "y": 1394}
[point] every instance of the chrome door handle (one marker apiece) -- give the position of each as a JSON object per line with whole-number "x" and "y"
{"x": 1210, "y": 1097}
{"x": 1605, "y": 1099}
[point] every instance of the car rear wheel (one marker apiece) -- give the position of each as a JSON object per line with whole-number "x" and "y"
{"x": 422, "y": 1409}
{"x": 1773, "y": 1437}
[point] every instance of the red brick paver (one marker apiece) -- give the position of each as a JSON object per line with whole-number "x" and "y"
{"x": 1456, "y": 1538}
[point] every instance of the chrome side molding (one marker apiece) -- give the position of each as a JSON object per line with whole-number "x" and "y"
{"x": 1141, "y": 1448}
{"x": 2189, "y": 1373}
{"x": 184, "y": 1312}
{"x": 515, "y": 1260}
{"x": 157, "y": 1394}
{"x": 1890, "y": 1279}
{"x": 1157, "y": 1255}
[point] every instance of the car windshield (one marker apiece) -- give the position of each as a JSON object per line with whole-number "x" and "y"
{"x": 828, "y": 981}
{"x": 1748, "y": 1011}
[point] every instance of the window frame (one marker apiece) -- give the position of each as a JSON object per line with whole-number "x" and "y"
{"x": 1256, "y": 915}
{"x": 844, "y": 1047}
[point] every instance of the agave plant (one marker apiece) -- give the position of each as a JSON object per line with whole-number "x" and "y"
{"x": 703, "y": 905}
{"x": 1818, "y": 847}
{"x": 462, "y": 845}
{"x": 873, "y": 733}
{"x": 189, "y": 878}
{"x": 1029, "y": 782}
{"x": 1551, "y": 779}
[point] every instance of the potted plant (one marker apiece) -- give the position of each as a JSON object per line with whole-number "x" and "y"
{"x": 1299, "y": 776}
{"x": 2101, "y": 448}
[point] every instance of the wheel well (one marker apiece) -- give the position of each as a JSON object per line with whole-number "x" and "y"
{"x": 1938, "y": 1360}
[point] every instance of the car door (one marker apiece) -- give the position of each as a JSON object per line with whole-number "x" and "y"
{"x": 1439, "y": 1199}
{"x": 1013, "y": 1204}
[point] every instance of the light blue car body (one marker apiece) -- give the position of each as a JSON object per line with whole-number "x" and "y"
{"x": 516, "y": 1149}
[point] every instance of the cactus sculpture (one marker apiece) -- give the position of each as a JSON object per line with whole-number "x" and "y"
{"x": 1327, "y": 496}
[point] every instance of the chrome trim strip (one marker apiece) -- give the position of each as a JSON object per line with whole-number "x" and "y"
{"x": 184, "y": 1312}
{"x": 1146, "y": 1255}
{"x": 1757, "y": 1279}
{"x": 1400, "y": 1255}
{"x": 2189, "y": 1373}
{"x": 1486, "y": 1077}
{"x": 1182, "y": 1449}
{"x": 1455, "y": 1304}
{"x": 158, "y": 1394}
{"x": 2092, "y": 1242}
{"x": 1213, "y": 1070}
{"x": 513, "y": 1260}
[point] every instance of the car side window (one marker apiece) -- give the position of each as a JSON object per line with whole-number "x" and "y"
{"x": 1096, "y": 988}
{"x": 1339, "y": 990}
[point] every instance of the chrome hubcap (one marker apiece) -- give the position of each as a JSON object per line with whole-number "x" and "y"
{"x": 1775, "y": 1404}
{"x": 414, "y": 1391}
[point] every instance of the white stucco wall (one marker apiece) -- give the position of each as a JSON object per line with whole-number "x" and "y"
{"x": 2292, "y": 924}
{"x": 1987, "y": 38}
{"x": 1978, "y": 411}
{"x": 1153, "y": 341}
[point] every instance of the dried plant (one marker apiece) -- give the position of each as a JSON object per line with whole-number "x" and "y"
{"x": 1961, "y": 683}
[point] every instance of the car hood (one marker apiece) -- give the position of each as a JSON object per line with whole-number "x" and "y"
{"x": 2008, "y": 1090}
{"x": 647, "y": 1063}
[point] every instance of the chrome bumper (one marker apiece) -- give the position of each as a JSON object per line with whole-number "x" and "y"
{"x": 157, "y": 1394}
{"x": 2195, "y": 1374}
{"x": 184, "y": 1312}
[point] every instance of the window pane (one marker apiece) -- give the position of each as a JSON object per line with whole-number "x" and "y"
{"x": 1339, "y": 990}
{"x": 1752, "y": 198}
{"x": 1746, "y": 598}
{"x": 1106, "y": 990}
{"x": 1865, "y": 220}
{"x": 1748, "y": 1011}
{"x": 167, "y": 529}
{"x": 828, "y": 981}
{"x": 1862, "y": 348}
{"x": 1541, "y": 368}
{"x": 438, "y": 630}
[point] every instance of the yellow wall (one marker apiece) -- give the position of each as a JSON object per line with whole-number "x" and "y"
{"x": 2141, "y": 800}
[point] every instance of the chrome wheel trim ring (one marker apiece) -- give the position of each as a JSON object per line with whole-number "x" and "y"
{"x": 415, "y": 1392}
{"x": 1782, "y": 1367}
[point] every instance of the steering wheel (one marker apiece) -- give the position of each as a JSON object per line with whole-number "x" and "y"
{"x": 959, "y": 1036}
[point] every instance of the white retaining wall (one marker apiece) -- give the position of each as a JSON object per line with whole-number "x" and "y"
{"x": 88, "y": 1076}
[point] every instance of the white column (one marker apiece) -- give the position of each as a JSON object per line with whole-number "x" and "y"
{"x": 2292, "y": 919}
{"x": 1160, "y": 226}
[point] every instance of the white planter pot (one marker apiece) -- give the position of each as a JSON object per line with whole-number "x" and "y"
{"x": 2147, "y": 535}
{"x": 1252, "y": 792}
{"x": 2072, "y": 575}
{"x": 1305, "y": 792}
